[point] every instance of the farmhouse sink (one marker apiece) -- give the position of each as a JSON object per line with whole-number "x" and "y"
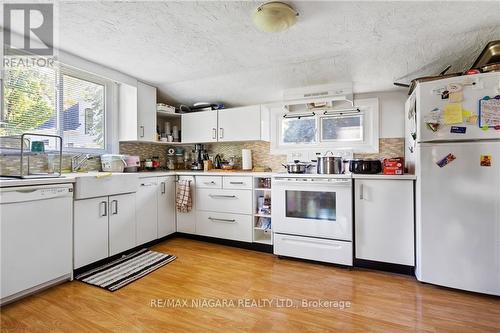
{"x": 99, "y": 184}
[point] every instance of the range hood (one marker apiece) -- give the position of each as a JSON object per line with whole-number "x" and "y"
{"x": 318, "y": 96}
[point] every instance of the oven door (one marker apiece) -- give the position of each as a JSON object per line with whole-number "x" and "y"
{"x": 315, "y": 207}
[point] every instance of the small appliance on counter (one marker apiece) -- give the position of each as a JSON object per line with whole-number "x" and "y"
{"x": 367, "y": 166}
{"x": 113, "y": 162}
{"x": 394, "y": 166}
{"x": 133, "y": 163}
{"x": 198, "y": 157}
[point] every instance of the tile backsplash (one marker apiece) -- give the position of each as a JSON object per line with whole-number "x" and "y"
{"x": 261, "y": 157}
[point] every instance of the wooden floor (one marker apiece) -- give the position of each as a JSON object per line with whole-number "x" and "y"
{"x": 380, "y": 302}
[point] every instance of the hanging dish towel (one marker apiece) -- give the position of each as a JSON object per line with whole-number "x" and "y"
{"x": 183, "y": 200}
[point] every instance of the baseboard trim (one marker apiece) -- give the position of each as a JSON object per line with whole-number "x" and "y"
{"x": 244, "y": 245}
{"x": 384, "y": 266}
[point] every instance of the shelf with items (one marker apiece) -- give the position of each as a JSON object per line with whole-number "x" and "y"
{"x": 262, "y": 232}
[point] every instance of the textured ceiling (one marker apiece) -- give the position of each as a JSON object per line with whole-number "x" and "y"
{"x": 210, "y": 51}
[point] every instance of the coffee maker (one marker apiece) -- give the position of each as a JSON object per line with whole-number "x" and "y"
{"x": 198, "y": 157}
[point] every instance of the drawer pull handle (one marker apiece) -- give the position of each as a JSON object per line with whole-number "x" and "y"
{"x": 236, "y": 183}
{"x": 210, "y": 183}
{"x": 222, "y": 196}
{"x": 213, "y": 219}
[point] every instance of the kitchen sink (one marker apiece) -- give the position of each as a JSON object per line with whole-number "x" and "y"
{"x": 98, "y": 184}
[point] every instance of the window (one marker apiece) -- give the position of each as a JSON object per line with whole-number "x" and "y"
{"x": 303, "y": 131}
{"x": 82, "y": 113}
{"x": 342, "y": 128}
{"x": 67, "y": 103}
{"x": 298, "y": 130}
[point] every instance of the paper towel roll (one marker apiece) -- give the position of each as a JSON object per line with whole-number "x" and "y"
{"x": 246, "y": 159}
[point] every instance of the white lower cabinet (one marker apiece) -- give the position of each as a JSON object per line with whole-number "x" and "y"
{"x": 384, "y": 224}
{"x": 102, "y": 227}
{"x": 186, "y": 222}
{"x": 223, "y": 207}
{"x": 228, "y": 201}
{"x": 121, "y": 223}
{"x": 166, "y": 206}
{"x": 224, "y": 225}
{"x": 327, "y": 250}
{"x": 146, "y": 212}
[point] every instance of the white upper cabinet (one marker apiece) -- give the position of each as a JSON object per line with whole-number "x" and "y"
{"x": 199, "y": 127}
{"x": 239, "y": 124}
{"x": 146, "y": 112}
{"x": 137, "y": 112}
{"x": 248, "y": 123}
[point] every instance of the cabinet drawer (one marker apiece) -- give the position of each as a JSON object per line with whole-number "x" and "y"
{"x": 237, "y": 182}
{"x": 226, "y": 201}
{"x": 327, "y": 250}
{"x": 222, "y": 225}
{"x": 208, "y": 182}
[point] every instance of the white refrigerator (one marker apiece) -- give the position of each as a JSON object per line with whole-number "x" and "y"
{"x": 457, "y": 165}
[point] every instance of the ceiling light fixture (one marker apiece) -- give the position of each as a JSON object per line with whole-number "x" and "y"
{"x": 274, "y": 17}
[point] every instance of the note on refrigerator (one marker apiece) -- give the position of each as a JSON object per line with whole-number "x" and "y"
{"x": 452, "y": 114}
{"x": 489, "y": 112}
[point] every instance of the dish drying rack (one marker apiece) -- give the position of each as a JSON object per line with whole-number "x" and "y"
{"x": 21, "y": 147}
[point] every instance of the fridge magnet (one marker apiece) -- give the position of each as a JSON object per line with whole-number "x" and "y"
{"x": 456, "y": 97}
{"x": 452, "y": 114}
{"x": 458, "y": 129}
{"x": 489, "y": 111}
{"x": 446, "y": 160}
{"x": 454, "y": 87}
{"x": 485, "y": 160}
{"x": 484, "y": 128}
{"x": 433, "y": 126}
{"x": 438, "y": 91}
{"x": 472, "y": 120}
{"x": 445, "y": 94}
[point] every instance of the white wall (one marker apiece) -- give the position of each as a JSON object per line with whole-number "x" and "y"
{"x": 391, "y": 112}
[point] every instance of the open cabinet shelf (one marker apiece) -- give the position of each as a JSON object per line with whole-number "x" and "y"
{"x": 262, "y": 193}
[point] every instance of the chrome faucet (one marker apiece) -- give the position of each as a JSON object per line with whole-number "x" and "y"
{"x": 79, "y": 160}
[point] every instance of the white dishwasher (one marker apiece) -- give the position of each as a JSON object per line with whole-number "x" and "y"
{"x": 36, "y": 238}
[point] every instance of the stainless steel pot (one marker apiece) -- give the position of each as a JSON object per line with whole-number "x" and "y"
{"x": 329, "y": 164}
{"x": 296, "y": 167}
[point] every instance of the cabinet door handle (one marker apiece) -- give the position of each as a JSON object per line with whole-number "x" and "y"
{"x": 361, "y": 192}
{"x": 162, "y": 187}
{"x": 214, "y": 133}
{"x": 221, "y": 133}
{"x": 142, "y": 131}
{"x": 103, "y": 208}
{"x": 236, "y": 183}
{"x": 114, "y": 207}
{"x": 221, "y": 196}
{"x": 213, "y": 219}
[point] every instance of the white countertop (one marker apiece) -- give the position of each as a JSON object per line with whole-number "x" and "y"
{"x": 406, "y": 176}
{"x": 11, "y": 182}
{"x": 70, "y": 178}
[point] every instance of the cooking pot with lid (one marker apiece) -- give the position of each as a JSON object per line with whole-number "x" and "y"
{"x": 329, "y": 164}
{"x": 296, "y": 167}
